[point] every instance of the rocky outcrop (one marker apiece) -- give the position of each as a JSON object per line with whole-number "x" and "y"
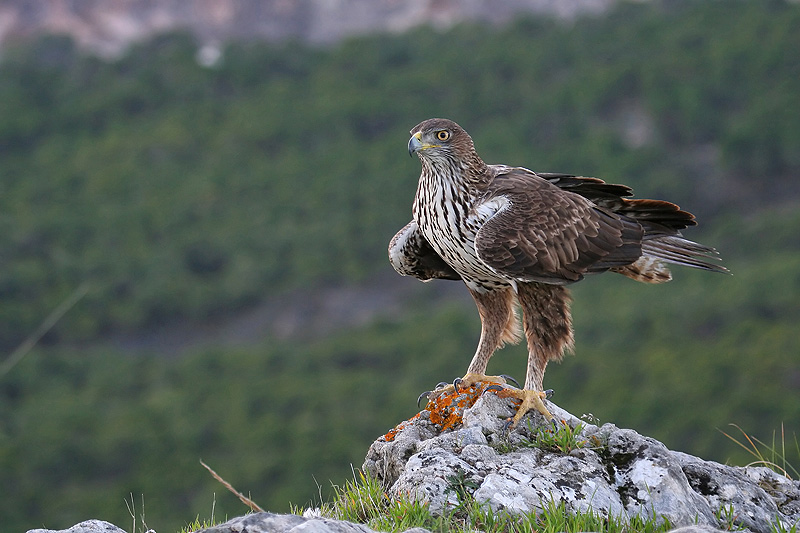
{"x": 459, "y": 448}
{"x": 282, "y": 523}
{"x": 108, "y": 28}
{"x": 252, "y": 523}
{"x": 88, "y": 526}
{"x": 611, "y": 471}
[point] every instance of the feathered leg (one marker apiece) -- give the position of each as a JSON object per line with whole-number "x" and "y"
{"x": 499, "y": 325}
{"x": 548, "y": 330}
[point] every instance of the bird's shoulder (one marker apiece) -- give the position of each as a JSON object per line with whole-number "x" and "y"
{"x": 527, "y": 190}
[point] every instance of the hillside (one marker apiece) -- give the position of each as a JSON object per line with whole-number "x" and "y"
{"x": 231, "y": 223}
{"x": 109, "y": 28}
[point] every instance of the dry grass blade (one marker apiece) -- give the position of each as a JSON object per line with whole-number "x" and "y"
{"x": 756, "y": 452}
{"x": 244, "y": 499}
{"x": 48, "y": 323}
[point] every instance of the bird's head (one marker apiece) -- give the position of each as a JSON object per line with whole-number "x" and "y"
{"x": 439, "y": 138}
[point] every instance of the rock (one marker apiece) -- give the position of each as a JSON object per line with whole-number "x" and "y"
{"x": 458, "y": 448}
{"x": 617, "y": 472}
{"x": 108, "y": 28}
{"x": 650, "y": 481}
{"x": 696, "y": 529}
{"x": 289, "y": 523}
{"x": 88, "y": 526}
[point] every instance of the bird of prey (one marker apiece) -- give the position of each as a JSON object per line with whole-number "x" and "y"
{"x": 518, "y": 237}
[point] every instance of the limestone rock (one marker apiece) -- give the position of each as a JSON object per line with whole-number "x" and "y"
{"x": 88, "y": 526}
{"x": 109, "y": 27}
{"x": 459, "y": 447}
{"x": 288, "y": 523}
{"x": 617, "y": 472}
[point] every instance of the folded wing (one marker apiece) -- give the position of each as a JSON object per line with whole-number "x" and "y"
{"x": 411, "y": 255}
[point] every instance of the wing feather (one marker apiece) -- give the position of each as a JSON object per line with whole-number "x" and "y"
{"x": 412, "y": 255}
{"x": 549, "y": 234}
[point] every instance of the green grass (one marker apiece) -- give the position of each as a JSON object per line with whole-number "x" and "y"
{"x": 562, "y": 439}
{"x": 364, "y": 500}
{"x": 198, "y": 524}
{"x": 780, "y": 528}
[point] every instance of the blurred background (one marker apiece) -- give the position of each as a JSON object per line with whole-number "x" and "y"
{"x": 206, "y": 190}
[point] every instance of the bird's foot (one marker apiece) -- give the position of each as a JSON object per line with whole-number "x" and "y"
{"x": 531, "y": 399}
{"x": 470, "y": 380}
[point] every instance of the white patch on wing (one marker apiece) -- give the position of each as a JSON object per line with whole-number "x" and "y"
{"x": 502, "y": 169}
{"x": 490, "y": 208}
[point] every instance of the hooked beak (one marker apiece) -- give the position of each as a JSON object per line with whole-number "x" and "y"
{"x": 414, "y": 143}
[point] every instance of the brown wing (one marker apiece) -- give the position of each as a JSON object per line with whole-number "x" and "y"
{"x": 552, "y": 235}
{"x": 412, "y": 255}
{"x": 656, "y": 216}
{"x": 660, "y": 220}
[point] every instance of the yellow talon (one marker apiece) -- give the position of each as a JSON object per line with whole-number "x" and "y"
{"x": 531, "y": 399}
{"x": 466, "y": 382}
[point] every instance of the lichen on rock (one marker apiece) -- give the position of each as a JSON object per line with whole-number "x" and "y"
{"x": 614, "y": 472}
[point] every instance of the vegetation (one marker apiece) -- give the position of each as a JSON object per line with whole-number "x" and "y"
{"x": 770, "y": 455}
{"x": 561, "y": 439}
{"x": 363, "y": 500}
{"x": 177, "y": 195}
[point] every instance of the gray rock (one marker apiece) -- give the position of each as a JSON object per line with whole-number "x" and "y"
{"x": 650, "y": 481}
{"x": 618, "y": 473}
{"x": 88, "y": 526}
{"x": 756, "y": 495}
{"x": 252, "y": 523}
{"x": 696, "y": 529}
{"x": 287, "y": 523}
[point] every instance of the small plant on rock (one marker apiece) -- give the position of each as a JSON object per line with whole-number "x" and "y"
{"x": 562, "y": 438}
{"x": 461, "y": 484}
{"x": 726, "y": 518}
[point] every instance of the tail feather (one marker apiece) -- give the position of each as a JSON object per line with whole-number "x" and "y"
{"x": 659, "y": 220}
{"x": 677, "y": 250}
{"x": 660, "y": 249}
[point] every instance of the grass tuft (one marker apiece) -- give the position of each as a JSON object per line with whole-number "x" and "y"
{"x": 363, "y": 500}
{"x": 561, "y": 439}
{"x": 778, "y": 527}
{"x": 198, "y": 524}
{"x": 770, "y": 455}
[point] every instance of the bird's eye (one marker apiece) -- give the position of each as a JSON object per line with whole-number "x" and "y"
{"x": 442, "y": 135}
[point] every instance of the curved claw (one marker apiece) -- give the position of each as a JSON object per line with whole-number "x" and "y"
{"x": 441, "y": 384}
{"x": 493, "y": 387}
{"x": 425, "y": 394}
{"x": 512, "y": 380}
{"x": 548, "y": 393}
{"x": 457, "y": 382}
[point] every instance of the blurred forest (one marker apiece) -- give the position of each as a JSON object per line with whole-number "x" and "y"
{"x": 185, "y": 195}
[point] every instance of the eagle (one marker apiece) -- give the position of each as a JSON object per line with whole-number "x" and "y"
{"x": 517, "y": 238}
